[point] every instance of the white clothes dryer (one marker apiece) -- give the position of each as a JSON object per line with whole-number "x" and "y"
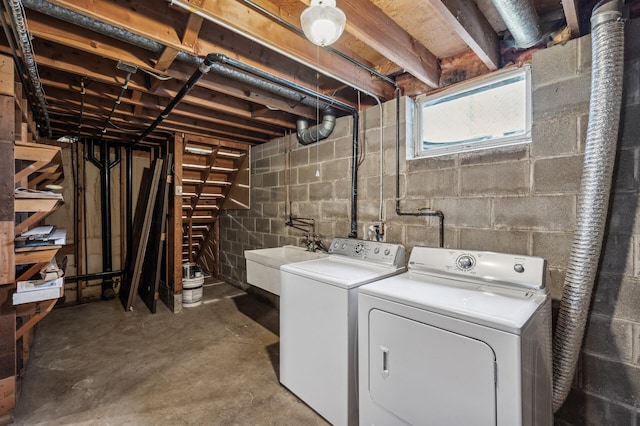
{"x": 463, "y": 338}
{"x": 318, "y": 314}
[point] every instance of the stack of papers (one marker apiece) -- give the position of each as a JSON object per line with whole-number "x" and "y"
{"x": 36, "y": 290}
{"x": 34, "y": 193}
{"x": 42, "y": 236}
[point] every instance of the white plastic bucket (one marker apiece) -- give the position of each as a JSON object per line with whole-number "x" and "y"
{"x": 192, "y": 291}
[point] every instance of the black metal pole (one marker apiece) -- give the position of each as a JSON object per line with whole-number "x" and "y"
{"x": 105, "y": 205}
{"x": 93, "y": 276}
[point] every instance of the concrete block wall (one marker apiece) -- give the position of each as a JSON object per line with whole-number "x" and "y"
{"x": 519, "y": 199}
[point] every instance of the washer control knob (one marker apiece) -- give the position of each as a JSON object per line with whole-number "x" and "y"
{"x": 344, "y": 246}
{"x": 518, "y": 267}
{"x": 336, "y": 244}
{"x": 376, "y": 250}
{"x": 387, "y": 252}
{"x": 465, "y": 262}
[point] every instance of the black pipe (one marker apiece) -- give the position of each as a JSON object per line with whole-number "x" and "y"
{"x": 129, "y": 201}
{"x": 300, "y": 222}
{"x": 422, "y": 211}
{"x": 130, "y": 70}
{"x": 85, "y": 277}
{"x": 354, "y": 179}
{"x": 105, "y": 165}
{"x": 197, "y": 75}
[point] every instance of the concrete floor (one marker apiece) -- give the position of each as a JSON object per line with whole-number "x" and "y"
{"x": 217, "y": 363}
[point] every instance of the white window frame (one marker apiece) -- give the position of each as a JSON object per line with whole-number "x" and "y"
{"x": 460, "y": 89}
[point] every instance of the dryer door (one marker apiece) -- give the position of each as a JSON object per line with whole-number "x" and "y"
{"x": 430, "y": 376}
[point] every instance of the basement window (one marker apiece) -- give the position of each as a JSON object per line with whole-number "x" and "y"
{"x": 489, "y": 112}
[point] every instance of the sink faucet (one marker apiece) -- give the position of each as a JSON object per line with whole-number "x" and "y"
{"x": 308, "y": 242}
{"x": 313, "y": 242}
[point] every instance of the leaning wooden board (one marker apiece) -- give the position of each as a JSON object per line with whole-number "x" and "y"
{"x": 148, "y": 289}
{"x": 141, "y": 228}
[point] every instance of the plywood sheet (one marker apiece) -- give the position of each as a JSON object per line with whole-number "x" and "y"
{"x": 151, "y": 269}
{"x": 141, "y": 227}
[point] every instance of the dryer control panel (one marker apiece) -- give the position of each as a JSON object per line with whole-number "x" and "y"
{"x": 371, "y": 251}
{"x": 480, "y": 267}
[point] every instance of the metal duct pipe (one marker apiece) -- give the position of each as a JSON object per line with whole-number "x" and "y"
{"x": 16, "y": 14}
{"x": 521, "y": 20}
{"x": 607, "y": 38}
{"x": 318, "y": 132}
{"x": 75, "y": 18}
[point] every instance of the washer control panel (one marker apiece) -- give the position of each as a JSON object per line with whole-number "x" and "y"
{"x": 371, "y": 251}
{"x": 481, "y": 267}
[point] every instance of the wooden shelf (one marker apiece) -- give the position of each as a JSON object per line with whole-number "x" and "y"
{"x": 45, "y": 204}
{"x": 39, "y": 254}
{"x": 35, "y": 311}
{"x": 30, "y": 221}
{"x": 46, "y": 163}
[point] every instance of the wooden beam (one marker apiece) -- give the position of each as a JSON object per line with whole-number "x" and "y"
{"x": 144, "y": 18}
{"x": 262, "y": 30}
{"x": 174, "y": 242}
{"x": 228, "y": 95}
{"x": 570, "y": 8}
{"x": 192, "y": 30}
{"x": 370, "y": 24}
{"x": 99, "y": 98}
{"x": 49, "y": 304}
{"x": 469, "y": 23}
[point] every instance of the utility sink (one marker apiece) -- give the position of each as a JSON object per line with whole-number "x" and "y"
{"x": 263, "y": 265}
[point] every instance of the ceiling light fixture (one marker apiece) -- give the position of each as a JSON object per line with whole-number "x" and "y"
{"x": 322, "y": 22}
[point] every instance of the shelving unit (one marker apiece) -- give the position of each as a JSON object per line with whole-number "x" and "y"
{"x": 33, "y": 166}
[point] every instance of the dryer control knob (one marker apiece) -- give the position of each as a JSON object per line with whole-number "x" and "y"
{"x": 518, "y": 267}
{"x": 465, "y": 262}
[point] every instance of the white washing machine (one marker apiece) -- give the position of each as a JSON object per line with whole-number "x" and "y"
{"x": 318, "y": 314}
{"x": 462, "y": 338}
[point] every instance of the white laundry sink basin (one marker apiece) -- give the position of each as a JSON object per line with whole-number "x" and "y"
{"x": 263, "y": 265}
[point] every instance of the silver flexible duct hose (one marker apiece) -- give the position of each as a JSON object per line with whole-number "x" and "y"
{"x": 607, "y": 38}
{"x": 308, "y": 135}
{"x": 521, "y": 20}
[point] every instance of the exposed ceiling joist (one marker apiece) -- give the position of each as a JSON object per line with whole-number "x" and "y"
{"x": 260, "y": 29}
{"x": 387, "y": 43}
{"x": 571, "y": 15}
{"x": 470, "y": 24}
{"x": 367, "y": 22}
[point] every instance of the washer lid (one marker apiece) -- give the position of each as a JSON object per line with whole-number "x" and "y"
{"x": 340, "y": 272}
{"x": 474, "y": 303}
